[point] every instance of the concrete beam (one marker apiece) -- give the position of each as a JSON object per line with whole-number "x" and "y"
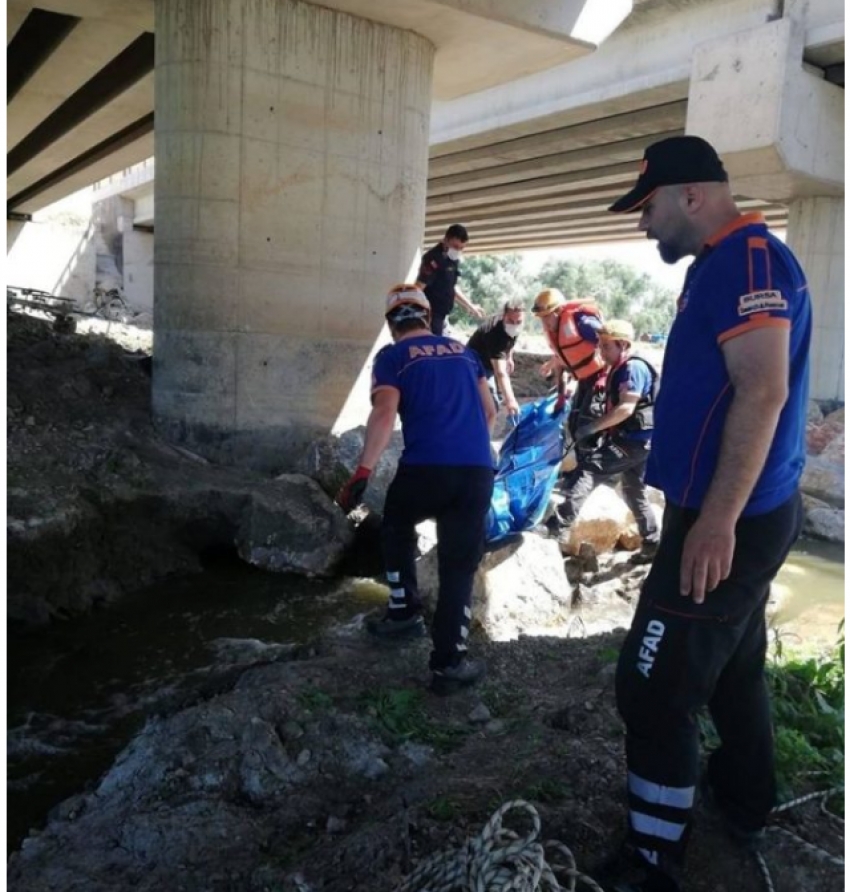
{"x": 625, "y": 151}
{"x": 646, "y": 53}
{"x": 581, "y": 180}
{"x": 598, "y": 132}
{"x": 88, "y": 48}
{"x": 790, "y": 143}
{"x": 131, "y": 105}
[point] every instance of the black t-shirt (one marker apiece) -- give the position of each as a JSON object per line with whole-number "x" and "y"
{"x": 490, "y": 341}
{"x": 439, "y": 275}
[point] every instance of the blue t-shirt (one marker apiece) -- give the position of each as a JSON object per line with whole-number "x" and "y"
{"x": 743, "y": 279}
{"x": 588, "y": 327}
{"x": 442, "y": 417}
{"x": 632, "y": 376}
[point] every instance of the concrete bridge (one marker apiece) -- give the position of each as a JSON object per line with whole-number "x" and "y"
{"x": 305, "y": 153}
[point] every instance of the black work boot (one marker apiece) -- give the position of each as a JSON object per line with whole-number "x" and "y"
{"x": 389, "y": 628}
{"x": 647, "y": 552}
{"x": 627, "y": 871}
{"x": 452, "y": 678}
{"x": 748, "y": 838}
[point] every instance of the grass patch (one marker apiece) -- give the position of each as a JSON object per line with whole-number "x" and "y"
{"x": 400, "y": 714}
{"x": 807, "y": 699}
{"x": 314, "y": 700}
{"x": 443, "y": 809}
{"x": 547, "y": 789}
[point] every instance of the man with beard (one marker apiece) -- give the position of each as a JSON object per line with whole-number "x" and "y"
{"x": 728, "y": 450}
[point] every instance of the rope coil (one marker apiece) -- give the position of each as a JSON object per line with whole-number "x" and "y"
{"x": 499, "y": 860}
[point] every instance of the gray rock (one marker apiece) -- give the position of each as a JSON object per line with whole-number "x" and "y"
{"x": 419, "y": 754}
{"x": 825, "y": 523}
{"x": 336, "y": 825}
{"x": 496, "y": 726}
{"x": 824, "y": 479}
{"x": 331, "y": 460}
{"x": 479, "y": 715}
{"x": 292, "y": 526}
{"x": 520, "y": 588}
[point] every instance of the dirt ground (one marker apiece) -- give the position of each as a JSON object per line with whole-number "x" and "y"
{"x": 545, "y": 726}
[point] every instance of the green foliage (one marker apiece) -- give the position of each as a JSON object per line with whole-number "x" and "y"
{"x": 546, "y": 790}
{"x": 620, "y": 289}
{"x": 807, "y": 698}
{"x": 808, "y": 707}
{"x": 314, "y": 700}
{"x": 401, "y": 715}
{"x": 443, "y": 809}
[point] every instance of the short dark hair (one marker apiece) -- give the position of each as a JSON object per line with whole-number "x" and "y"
{"x": 457, "y": 231}
{"x": 406, "y": 325}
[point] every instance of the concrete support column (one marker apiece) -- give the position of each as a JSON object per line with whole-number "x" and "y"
{"x": 816, "y": 235}
{"x": 292, "y": 151}
{"x": 786, "y": 144}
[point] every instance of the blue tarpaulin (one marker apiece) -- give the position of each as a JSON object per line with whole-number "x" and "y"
{"x": 529, "y": 463}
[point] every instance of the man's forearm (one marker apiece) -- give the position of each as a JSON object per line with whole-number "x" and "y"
{"x": 747, "y": 435}
{"x": 616, "y": 416}
{"x": 379, "y": 429}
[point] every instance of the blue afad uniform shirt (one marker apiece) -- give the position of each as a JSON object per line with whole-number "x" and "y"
{"x": 442, "y": 418}
{"x": 744, "y": 279}
{"x": 632, "y": 376}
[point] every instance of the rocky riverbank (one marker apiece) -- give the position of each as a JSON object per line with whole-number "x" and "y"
{"x": 327, "y": 766}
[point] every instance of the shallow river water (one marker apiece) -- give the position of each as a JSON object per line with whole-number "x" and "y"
{"x": 78, "y": 691}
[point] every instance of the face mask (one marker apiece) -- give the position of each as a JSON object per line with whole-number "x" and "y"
{"x": 453, "y": 253}
{"x": 512, "y": 331}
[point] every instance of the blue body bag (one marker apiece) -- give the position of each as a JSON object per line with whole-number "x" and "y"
{"x": 529, "y": 463}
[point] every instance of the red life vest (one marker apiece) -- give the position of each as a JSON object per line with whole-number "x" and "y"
{"x": 580, "y": 356}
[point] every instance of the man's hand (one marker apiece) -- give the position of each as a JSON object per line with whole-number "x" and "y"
{"x": 549, "y": 367}
{"x": 511, "y": 406}
{"x": 351, "y": 495}
{"x": 477, "y": 311}
{"x": 706, "y": 557}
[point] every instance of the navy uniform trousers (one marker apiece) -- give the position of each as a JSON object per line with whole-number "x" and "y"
{"x": 679, "y": 657}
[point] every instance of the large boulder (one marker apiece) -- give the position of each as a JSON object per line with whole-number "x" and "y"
{"x": 825, "y": 523}
{"x": 331, "y": 460}
{"x": 604, "y": 520}
{"x": 520, "y": 588}
{"x": 821, "y": 434}
{"x": 291, "y": 525}
{"x": 823, "y": 478}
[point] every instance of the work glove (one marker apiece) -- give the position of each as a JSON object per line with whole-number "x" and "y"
{"x": 351, "y": 495}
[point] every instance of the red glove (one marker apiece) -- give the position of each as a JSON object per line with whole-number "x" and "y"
{"x": 351, "y": 495}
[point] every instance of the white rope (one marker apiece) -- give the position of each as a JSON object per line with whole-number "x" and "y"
{"x": 823, "y": 796}
{"x": 499, "y": 860}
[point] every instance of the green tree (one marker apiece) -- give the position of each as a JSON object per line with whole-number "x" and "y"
{"x": 490, "y": 280}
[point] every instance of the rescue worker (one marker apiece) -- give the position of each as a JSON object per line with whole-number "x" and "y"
{"x": 572, "y": 329}
{"x": 438, "y": 275}
{"x": 728, "y": 451}
{"x": 494, "y": 341}
{"x": 626, "y": 428}
{"x": 445, "y": 473}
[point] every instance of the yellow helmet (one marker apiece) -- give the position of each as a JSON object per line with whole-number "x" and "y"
{"x": 548, "y": 301}
{"x": 618, "y": 330}
{"x": 407, "y": 295}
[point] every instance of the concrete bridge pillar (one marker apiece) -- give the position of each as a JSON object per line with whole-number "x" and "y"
{"x": 292, "y": 150}
{"x": 779, "y": 127}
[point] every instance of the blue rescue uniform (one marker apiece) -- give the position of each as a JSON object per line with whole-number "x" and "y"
{"x": 445, "y": 473}
{"x": 680, "y": 657}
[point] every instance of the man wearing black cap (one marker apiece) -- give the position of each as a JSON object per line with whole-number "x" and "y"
{"x": 727, "y": 451}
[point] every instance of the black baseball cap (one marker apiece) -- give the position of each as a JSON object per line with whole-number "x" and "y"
{"x": 668, "y": 162}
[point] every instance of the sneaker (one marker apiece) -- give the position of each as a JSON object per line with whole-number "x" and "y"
{"x": 388, "y": 628}
{"x": 461, "y": 675}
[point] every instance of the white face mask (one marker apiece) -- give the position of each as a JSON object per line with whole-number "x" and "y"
{"x": 512, "y": 331}
{"x": 453, "y": 253}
